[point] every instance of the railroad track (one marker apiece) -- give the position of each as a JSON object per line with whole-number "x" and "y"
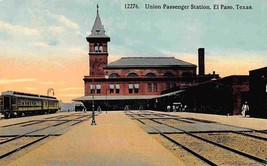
{"x": 208, "y": 140}
{"x": 44, "y": 129}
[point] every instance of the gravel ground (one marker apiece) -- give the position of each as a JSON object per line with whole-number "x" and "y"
{"x": 257, "y": 134}
{"x": 179, "y": 152}
{"x": 242, "y": 143}
{"x": 2, "y": 139}
{"x": 22, "y": 152}
{"x": 12, "y": 145}
{"x": 217, "y": 155}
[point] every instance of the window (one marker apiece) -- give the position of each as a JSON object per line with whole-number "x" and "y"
{"x": 136, "y": 88}
{"x": 149, "y": 87}
{"x": 92, "y": 87}
{"x": 117, "y": 88}
{"x": 13, "y": 101}
{"x": 168, "y": 74}
{"x": 150, "y": 75}
{"x": 114, "y": 75}
{"x": 111, "y": 89}
{"x": 1, "y": 101}
{"x": 96, "y": 47}
{"x": 155, "y": 87}
{"x": 100, "y": 48}
{"x": 132, "y": 75}
{"x": 98, "y": 89}
{"x": 130, "y": 88}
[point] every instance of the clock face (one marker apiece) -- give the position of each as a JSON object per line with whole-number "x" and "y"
{"x": 97, "y": 66}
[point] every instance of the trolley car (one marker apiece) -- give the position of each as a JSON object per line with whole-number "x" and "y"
{"x": 15, "y": 104}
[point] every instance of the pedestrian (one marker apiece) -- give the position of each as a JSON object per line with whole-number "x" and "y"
{"x": 184, "y": 108}
{"x": 245, "y": 108}
{"x": 173, "y": 108}
{"x": 126, "y": 108}
{"x": 141, "y": 108}
{"x": 168, "y": 108}
{"x": 68, "y": 110}
{"x": 99, "y": 109}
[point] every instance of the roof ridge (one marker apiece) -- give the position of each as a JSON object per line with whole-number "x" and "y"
{"x": 147, "y": 57}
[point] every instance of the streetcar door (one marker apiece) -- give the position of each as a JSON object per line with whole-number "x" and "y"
{"x": 7, "y": 103}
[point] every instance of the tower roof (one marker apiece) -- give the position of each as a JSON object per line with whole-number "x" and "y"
{"x": 98, "y": 30}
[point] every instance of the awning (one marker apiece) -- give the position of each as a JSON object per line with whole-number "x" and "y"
{"x": 130, "y": 86}
{"x": 111, "y": 86}
{"x": 99, "y": 98}
{"x": 136, "y": 86}
{"x": 117, "y": 86}
{"x": 92, "y": 86}
{"x": 98, "y": 86}
{"x": 171, "y": 93}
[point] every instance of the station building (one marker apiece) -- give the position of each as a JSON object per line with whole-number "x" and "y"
{"x": 133, "y": 81}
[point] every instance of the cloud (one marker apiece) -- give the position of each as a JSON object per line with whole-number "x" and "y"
{"x": 64, "y": 21}
{"x": 30, "y": 88}
{"x": 40, "y": 44}
{"x": 72, "y": 88}
{"x": 55, "y": 29}
{"x": 51, "y": 83}
{"x": 18, "y": 29}
{"x": 72, "y": 95}
{"x": 48, "y": 83}
{"x": 10, "y": 81}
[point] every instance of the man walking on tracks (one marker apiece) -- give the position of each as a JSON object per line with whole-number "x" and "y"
{"x": 245, "y": 108}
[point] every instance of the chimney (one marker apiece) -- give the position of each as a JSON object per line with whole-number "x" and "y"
{"x": 201, "y": 61}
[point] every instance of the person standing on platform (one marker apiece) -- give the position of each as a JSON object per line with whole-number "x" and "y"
{"x": 168, "y": 108}
{"x": 245, "y": 108}
{"x": 99, "y": 109}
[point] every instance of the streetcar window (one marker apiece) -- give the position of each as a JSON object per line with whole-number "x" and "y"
{"x": 13, "y": 100}
{"x": 1, "y": 101}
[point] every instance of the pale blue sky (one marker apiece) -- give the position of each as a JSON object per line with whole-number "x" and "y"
{"x": 136, "y": 32}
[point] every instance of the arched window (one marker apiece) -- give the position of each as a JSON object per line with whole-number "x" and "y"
{"x": 114, "y": 75}
{"x": 100, "y": 48}
{"x": 168, "y": 74}
{"x": 96, "y": 47}
{"x": 132, "y": 75}
{"x": 150, "y": 75}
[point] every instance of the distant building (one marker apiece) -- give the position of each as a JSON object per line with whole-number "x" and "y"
{"x": 133, "y": 81}
{"x": 223, "y": 96}
{"x": 258, "y": 92}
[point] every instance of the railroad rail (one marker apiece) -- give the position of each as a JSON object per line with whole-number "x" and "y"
{"x": 142, "y": 117}
{"x": 58, "y": 122}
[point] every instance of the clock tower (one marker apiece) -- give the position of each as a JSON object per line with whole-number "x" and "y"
{"x": 98, "y": 48}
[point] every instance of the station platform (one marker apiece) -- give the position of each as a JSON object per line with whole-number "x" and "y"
{"x": 236, "y": 120}
{"x": 116, "y": 140}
